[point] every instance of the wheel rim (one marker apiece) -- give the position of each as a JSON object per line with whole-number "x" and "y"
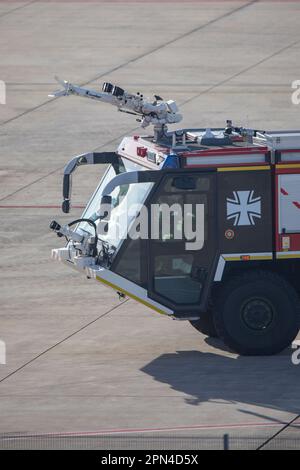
{"x": 257, "y": 314}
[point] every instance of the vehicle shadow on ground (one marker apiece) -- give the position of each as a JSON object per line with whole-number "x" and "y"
{"x": 272, "y": 381}
{"x": 219, "y": 344}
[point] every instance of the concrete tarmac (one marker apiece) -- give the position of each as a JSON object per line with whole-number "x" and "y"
{"x": 78, "y": 360}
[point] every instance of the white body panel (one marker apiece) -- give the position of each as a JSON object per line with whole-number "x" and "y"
{"x": 289, "y": 203}
{"x": 280, "y": 140}
{"x": 233, "y": 159}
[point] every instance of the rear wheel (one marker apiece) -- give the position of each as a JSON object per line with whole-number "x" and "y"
{"x": 257, "y": 313}
{"x": 205, "y": 324}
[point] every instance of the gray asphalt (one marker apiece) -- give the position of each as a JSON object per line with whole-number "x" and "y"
{"x": 78, "y": 360}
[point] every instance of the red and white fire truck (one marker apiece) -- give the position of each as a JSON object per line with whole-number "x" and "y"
{"x": 243, "y": 283}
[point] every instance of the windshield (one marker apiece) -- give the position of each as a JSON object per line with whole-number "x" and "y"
{"x": 126, "y": 200}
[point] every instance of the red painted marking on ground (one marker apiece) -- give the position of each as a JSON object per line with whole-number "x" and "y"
{"x": 297, "y": 204}
{"x": 283, "y": 191}
{"x": 149, "y": 430}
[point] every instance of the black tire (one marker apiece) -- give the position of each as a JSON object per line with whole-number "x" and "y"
{"x": 257, "y": 313}
{"x": 205, "y": 324}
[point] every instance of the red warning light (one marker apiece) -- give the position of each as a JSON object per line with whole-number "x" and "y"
{"x": 141, "y": 151}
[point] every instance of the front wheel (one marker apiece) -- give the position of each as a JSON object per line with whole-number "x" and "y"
{"x": 257, "y": 313}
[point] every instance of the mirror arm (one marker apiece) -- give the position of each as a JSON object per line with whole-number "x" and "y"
{"x": 130, "y": 178}
{"x": 91, "y": 158}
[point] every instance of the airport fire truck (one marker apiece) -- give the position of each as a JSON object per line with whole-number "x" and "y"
{"x": 241, "y": 280}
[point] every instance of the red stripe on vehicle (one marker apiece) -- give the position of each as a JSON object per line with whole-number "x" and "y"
{"x": 283, "y": 191}
{"x": 297, "y": 204}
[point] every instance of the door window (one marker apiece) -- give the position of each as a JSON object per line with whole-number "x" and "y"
{"x": 177, "y": 272}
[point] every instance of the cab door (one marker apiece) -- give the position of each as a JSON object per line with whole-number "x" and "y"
{"x": 181, "y": 268}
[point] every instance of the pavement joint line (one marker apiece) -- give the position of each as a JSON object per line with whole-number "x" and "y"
{"x": 147, "y": 430}
{"x": 58, "y": 351}
{"x": 185, "y": 84}
{"x": 63, "y": 340}
{"x": 286, "y": 425}
{"x": 17, "y": 8}
{"x": 178, "y": 38}
{"x": 140, "y": 56}
{"x": 237, "y": 74}
{"x": 62, "y": 167}
{"x": 194, "y": 97}
{"x": 120, "y": 66}
{"x": 30, "y": 184}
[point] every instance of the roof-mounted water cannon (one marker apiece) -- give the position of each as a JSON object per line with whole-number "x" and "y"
{"x": 245, "y": 133}
{"x": 159, "y": 112}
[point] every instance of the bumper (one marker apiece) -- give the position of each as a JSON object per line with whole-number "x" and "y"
{"x": 86, "y": 265}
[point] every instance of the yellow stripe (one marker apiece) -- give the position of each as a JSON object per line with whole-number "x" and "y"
{"x": 288, "y": 165}
{"x": 132, "y": 296}
{"x": 287, "y": 256}
{"x": 239, "y": 258}
{"x": 243, "y": 168}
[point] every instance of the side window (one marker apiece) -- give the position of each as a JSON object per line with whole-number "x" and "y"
{"x": 177, "y": 273}
{"x": 173, "y": 278}
{"x": 129, "y": 264}
{"x": 177, "y": 216}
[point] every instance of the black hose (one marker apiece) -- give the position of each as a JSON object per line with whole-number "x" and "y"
{"x": 92, "y": 223}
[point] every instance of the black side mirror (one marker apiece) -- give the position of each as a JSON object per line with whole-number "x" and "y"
{"x": 66, "y": 206}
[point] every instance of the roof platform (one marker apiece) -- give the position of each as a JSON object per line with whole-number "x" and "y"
{"x": 214, "y": 147}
